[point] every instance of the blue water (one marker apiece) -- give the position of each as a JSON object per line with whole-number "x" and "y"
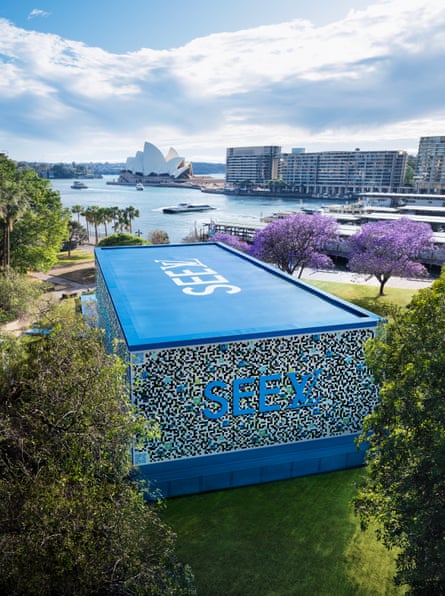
{"x": 239, "y": 210}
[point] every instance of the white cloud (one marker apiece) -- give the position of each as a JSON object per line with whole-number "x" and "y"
{"x": 36, "y": 12}
{"x": 373, "y": 79}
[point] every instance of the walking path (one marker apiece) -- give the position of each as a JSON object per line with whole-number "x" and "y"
{"x": 62, "y": 284}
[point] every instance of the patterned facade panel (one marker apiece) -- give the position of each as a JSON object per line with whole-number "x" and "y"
{"x": 113, "y": 337}
{"x": 220, "y": 398}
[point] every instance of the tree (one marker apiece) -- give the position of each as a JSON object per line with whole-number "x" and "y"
{"x": 94, "y": 215}
{"x": 12, "y": 204}
{"x": 296, "y": 242}
{"x": 71, "y": 519}
{"x": 33, "y": 222}
{"x": 19, "y": 296}
{"x": 230, "y": 240}
{"x": 158, "y": 237}
{"x": 121, "y": 239}
{"x": 129, "y": 214}
{"x": 404, "y": 488}
{"x": 387, "y": 248}
{"x": 76, "y": 234}
{"x": 77, "y": 210}
{"x": 107, "y": 217}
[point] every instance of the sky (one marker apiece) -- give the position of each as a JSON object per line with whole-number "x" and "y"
{"x": 92, "y": 80}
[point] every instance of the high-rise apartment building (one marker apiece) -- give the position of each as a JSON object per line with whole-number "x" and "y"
{"x": 343, "y": 172}
{"x": 430, "y": 165}
{"x": 255, "y": 165}
{"x": 332, "y": 173}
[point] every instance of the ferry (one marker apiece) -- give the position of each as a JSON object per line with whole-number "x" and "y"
{"x": 186, "y": 208}
{"x": 78, "y": 185}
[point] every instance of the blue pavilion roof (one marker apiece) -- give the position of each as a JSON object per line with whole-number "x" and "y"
{"x": 172, "y": 295}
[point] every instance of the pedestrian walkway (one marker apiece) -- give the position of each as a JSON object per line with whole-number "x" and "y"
{"x": 62, "y": 284}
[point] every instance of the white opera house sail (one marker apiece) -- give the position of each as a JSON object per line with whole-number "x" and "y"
{"x": 150, "y": 166}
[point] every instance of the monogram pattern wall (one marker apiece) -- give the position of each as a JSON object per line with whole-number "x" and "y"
{"x": 219, "y": 398}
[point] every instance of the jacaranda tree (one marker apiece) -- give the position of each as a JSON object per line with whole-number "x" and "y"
{"x": 296, "y": 242}
{"x": 230, "y": 240}
{"x": 404, "y": 487}
{"x": 389, "y": 248}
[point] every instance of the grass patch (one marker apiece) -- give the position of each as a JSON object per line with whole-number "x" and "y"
{"x": 76, "y": 257}
{"x": 366, "y": 296}
{"x": 297, "y": 536}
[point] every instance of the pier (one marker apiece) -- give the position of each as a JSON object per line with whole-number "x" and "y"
{"x": 245, "y": 233}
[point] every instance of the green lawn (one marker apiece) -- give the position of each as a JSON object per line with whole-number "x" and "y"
{"x": 295, "y": 537}
{"x": 77, "y": 256}
{"x": 366, "y": 296}
{"x": 292, "y": 537}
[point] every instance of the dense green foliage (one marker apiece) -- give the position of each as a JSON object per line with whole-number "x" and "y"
{"x": 121, "y": 239}
{"x": 404, "y": 490}
{"x": 33, "y": 223}
{"x": 18, "y": 296}
{"x": 71, "y": 519}
{"x": 119, "y": 219}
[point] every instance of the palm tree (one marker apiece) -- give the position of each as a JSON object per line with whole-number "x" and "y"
{"x": 108, "y": 217}
{"x": 87, "y": 227}
{"x": 115, "y": 211}
{"x": 77, "y": 209}
{"x": 92, "y": 215}
{"x": 122, "y": 220}
{"x": 12, "y": 203}
{"x": 130, "y": 214}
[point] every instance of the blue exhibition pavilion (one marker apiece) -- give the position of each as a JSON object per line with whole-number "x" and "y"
{"x": 251, "y": 376}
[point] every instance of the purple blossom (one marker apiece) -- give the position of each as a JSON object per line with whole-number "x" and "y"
{"x": 296, "y": 242}
{"x": 389, "y": 248}
{"x": 232, "y": 241}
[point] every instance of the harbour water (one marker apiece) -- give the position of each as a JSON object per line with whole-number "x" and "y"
{"x": 228, "y": 209}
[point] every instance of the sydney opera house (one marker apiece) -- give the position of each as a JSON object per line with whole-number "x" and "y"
{"x": 150, "y": 166}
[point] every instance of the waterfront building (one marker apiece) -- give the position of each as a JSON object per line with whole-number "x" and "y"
{"x": 430, "y": 165}
{"x": 251, "y": 165}
{"x": 342, "y": 173}
{"x": 252, "y": 376}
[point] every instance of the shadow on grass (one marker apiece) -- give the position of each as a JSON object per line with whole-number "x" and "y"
{"x": 376, "y": 305}
{"x": 85, "y": 276}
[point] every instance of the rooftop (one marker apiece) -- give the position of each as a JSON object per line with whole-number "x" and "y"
{"x": 172, "y": 295}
